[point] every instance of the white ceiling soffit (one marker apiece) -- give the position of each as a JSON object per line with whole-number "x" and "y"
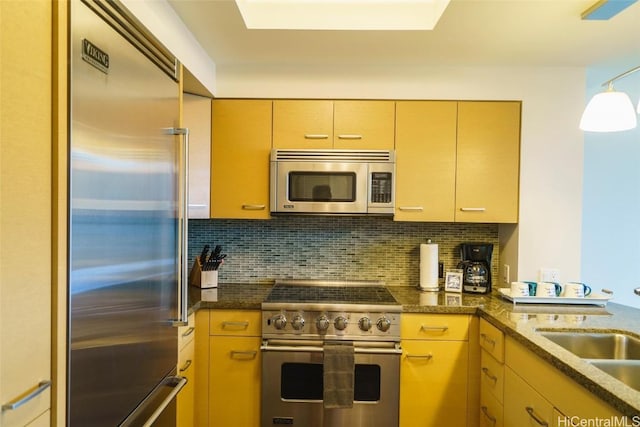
{"x": 341, "y": 14}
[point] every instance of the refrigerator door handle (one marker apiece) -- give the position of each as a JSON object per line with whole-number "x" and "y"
{"x": 183, "y": 277}
{"x": 178, "y": 386}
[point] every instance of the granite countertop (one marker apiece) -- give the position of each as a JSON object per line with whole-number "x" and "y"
{"x": 520, "y": 322}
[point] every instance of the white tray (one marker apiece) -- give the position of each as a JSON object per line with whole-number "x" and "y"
{"x": 592, "y": 299}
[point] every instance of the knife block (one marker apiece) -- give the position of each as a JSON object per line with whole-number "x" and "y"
{"x": 202, "y": 279}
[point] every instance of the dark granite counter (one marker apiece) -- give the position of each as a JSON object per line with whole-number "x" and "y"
{"x": 234, "y": 296}
{"x": 520, "y": 322}
{"x": 523, "y": 322}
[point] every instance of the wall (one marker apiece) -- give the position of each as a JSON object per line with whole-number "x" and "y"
{"x": 338, "y": 248}
{"x": 549, "y": 230}
{"x": 611, "y": 230}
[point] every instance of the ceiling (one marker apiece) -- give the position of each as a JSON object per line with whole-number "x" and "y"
{"x": 470, "y": 32}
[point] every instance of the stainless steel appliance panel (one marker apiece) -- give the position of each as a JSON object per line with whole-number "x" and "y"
{"x": 377, "y": 409}
{"x": 124, "y": 225}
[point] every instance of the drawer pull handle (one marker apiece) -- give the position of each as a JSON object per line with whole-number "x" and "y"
{"x": 235, "y": 325}
{"x": 355, "y": 136}
{"x": 419, "y": 356}
{"x": 485, "y": 412}
{"x": 237, "y": 354}
{"x": 411, "y": 208}
{"x": 488, "y": 340}
{"x": 489, "y": 375}
{"x": 250, "y": 207}
{"x": 434, "y": 328}
{"x": 42, "y": 386}
{"x": 188, "y": 332}
{"x": 186, "y": 366}
{"x": 473, "y": 209}
{"x": 316, "y": 136}
{"x": 535, "y": 417}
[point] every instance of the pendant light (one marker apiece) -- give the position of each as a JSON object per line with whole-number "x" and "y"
{"x": 610, "y": 111}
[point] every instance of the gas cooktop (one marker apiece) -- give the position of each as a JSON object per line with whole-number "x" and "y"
{"x": 313, "y": 309}
{"x": 330, "y": 292}
{"x": 313, "y": 292}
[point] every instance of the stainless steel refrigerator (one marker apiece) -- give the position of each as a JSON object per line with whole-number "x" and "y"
{"x": 127, "y": 221}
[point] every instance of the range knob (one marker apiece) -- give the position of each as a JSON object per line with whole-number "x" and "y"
{"x": 322, "y": 323}
{"x": 340, "y": 323}
{"x": 279, "y": 321}
{"x": 298, "y": 322}
{"x": 364, "y": 323}
{"x": 383, "y": 324}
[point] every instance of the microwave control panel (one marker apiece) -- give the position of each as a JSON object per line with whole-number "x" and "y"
{"x": 381, "y": 187}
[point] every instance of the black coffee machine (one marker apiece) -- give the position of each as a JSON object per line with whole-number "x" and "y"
{"x": 476, "y": 267}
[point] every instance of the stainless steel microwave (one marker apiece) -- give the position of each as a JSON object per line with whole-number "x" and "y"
{"x": 349, "y": 182}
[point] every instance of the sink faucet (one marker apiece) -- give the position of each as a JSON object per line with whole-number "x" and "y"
{"x": 636, "y": 291}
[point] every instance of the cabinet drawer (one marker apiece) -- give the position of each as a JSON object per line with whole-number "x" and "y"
{"x": 186, "y": 397}
{"x": 186, "y": 333}
{"x": 524, "y": 406}
{"x": 491, "y": 412}
{"x": 491, "y": 376}
{"x": 567, "y": 396}
{"x": 235, "y": 322}
{"x": 447, "y": 327}
{"x": 492, "y": 340}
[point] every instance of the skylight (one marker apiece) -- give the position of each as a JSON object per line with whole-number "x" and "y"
{"x": 342, "y": 14}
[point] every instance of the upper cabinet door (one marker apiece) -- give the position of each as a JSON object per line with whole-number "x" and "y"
{"x": 364, "y": 125}
{"x": 425, "y": 160}
{"x": 302, "y": 124}
{"x": 488, "y": 161}
{"x": 241, "y": 144}
{"x": 326, "y": 124}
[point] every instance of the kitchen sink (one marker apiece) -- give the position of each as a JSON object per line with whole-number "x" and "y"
{"x": 627, "y": 371}
{"x": 597, "y": 345}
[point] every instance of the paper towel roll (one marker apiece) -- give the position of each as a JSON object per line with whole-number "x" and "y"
{"x": 429, "y": 266}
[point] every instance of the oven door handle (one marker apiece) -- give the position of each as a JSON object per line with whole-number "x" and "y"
{"x": 307, "y": 348}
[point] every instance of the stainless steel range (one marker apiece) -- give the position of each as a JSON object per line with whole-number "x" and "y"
{"x": 330, "y": 354}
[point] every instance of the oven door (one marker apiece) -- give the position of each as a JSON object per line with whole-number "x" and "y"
{"x": 319, "y": 187}
{"x": 292, "y": 387}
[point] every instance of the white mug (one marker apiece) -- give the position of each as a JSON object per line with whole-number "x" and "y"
{"x": 522, "y": 289}
{"x": 576, "y": 290}
{"x": 548, "y": 289}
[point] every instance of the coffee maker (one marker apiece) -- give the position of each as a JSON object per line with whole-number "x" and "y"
{"x": 476, "y": 267}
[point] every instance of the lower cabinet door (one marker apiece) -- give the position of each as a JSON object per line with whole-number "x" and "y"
{"x": 186, "y": 397}
{"x": 234, "y": 381}
{"x": 433, "y": 383}
{"x": 523, "y": 406}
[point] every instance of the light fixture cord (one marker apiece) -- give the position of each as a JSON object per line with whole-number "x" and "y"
{"x": 609, "y": 83}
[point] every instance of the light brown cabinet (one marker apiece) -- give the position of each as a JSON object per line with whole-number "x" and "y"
{"x": 434, "y": 370}
{"x": 229, "y": 378}
{"x": 488, "y": 161}
{"x": 26, "y": 205}
{"x": 491, "y": 375}
{"x": 326, "y": 124}
{"x": 523, "y": 405}
{"x": 425, "y": 160}
{"x": 535, "y": 389}
{"x": 457, "y": 161}
{"x": 241, "y": 144}
{"x": 186, "y": 368}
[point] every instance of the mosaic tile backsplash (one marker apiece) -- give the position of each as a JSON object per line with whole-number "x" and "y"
{"x": 333, "y": 248}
